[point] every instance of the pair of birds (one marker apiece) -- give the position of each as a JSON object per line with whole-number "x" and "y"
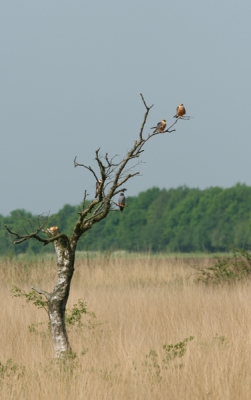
{"x": 121, "y": 199}
{"x": 161, "y": 126}
{"x": 180, "y": 111}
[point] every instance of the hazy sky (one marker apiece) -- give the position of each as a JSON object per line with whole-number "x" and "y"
{"x": 71, "y": 75}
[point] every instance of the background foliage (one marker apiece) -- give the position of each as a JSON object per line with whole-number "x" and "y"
{"x": 182, "y": 219}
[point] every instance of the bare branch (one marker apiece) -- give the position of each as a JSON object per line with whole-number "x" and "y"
{"x": 84, "y": 199}
{"x": 148, "y": 108}
{"x": 25, "y": 219}
{"x": 101, "y": 167}
{"x": 168, "y": 129}
{"x": 185, "y": 117}
{"x": 110, "y": 162}
{"x": 40, "y": 291}
{"x": 119, "y": 191}
{"x": 126, "y": 178}
{"x": 23, "y": 238}
{"x": 145, "y": 117}
{"x": 85, "y": 166}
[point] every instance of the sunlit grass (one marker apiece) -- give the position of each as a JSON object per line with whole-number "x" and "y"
{"x": 157, "y": 333}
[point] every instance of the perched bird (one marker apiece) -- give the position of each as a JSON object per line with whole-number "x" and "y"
{"x": 161, "y": 126}
{"x": 98, "y": 184}
{"x": 180, "y": 111}
{"x": 121, "y": 201}
{"x": 53, "y": 230}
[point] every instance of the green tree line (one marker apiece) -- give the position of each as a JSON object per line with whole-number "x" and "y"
{"x": 182, "y": 219}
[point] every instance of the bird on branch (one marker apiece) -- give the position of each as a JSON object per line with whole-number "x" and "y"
{"x": 161, "y": 126}
{"x": 53, "y": 230}
{"x": 180, "y": 111}
{"x": 121, "y": 202}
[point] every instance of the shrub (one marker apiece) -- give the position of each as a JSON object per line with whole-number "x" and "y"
{"x": 228, "y": 269}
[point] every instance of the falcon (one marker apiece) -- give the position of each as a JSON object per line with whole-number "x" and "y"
{"x": 121, "y": 201}
{"x": 161, "y": 126}
{"x": 53, "y": 230}
{"x": 180, "y": 111}
{"x": 98, "y": 184}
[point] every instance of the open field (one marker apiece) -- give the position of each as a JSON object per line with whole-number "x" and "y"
{"x": 141, "y": 305}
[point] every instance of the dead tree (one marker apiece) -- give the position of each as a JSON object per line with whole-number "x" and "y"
{"x": 111, "y": 178}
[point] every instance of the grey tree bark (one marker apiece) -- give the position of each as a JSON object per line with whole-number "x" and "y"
{"x": 59, "y": 296}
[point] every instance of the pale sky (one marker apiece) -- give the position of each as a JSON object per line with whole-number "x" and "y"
{"x": 71, "y": 75}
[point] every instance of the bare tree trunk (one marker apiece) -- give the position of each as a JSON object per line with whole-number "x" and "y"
{"x": 58, "y": 298}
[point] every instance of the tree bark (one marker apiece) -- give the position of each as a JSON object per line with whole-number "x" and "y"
{"x": 58, "y": 298}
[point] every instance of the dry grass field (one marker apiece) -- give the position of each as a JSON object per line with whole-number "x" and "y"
{"x": 142, "y": 305}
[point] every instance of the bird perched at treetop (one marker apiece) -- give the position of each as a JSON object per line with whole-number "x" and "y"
{"x": 180, "y": 111}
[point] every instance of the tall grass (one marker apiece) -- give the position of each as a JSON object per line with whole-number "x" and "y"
{"x": 140, "y": 344}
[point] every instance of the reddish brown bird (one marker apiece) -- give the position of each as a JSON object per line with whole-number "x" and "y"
{"x": 53, "y": 230}
{"x": 180, "y": 111}
{"x": 161, "y": 126}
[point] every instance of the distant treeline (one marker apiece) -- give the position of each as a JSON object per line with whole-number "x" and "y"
{"x": 182, "y": 219}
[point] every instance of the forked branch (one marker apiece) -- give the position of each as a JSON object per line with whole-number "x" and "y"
{"x": 115, "y": 176}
